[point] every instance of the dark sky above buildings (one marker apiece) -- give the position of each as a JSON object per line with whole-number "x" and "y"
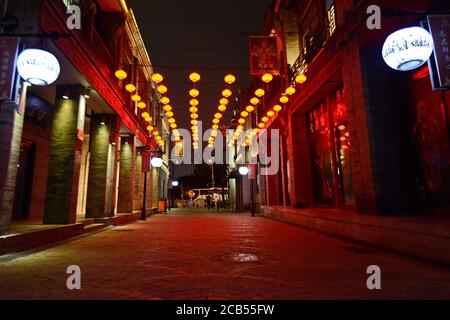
{"x": 207, "y": 36}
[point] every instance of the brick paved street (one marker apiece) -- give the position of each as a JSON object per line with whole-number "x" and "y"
{"x": 195, "y": 255}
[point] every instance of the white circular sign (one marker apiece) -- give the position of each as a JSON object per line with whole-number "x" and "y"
{"x": 175, "y": 183}
{"x": 157, "y": 162}
{"x": 408, "y": 48}
{"x": 38, "y": 67}
{"x": 243, "y": 171}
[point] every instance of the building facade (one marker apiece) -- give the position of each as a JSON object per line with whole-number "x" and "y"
{"x": 356, "y": 135}
{"x": 77, "y": 149}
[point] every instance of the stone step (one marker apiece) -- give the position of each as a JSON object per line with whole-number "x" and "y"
{"x": 94, "y": 227}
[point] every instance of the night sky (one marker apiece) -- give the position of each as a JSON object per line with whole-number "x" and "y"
{"x": 210, "y": 37}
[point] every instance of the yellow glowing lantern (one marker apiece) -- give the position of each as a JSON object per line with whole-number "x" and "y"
{"x": 227, "y": 93}
{"x": 155, "y": 133}
{"x": 267, "y": 77}
{"x": 216, "y": 121}
{"x": 173, "y": 126}
{"x": 241, "y": 121}
{"x": 194, "y": 77}
{"x": 214, "y": 133}
{"x": 264, "y": 119}
{"x": 167, "y": 107}
{"x": 194, "y": 129}
{"x": 194, "y": 102}
{"x": 240, "y": 127}
{"x": 256, "y": 130}
{"x": 301, "y": 78}
{"x": 284, "y": 99}
{"x": 261, "y": 125}
{"x": 194, "y": 93}
{"x": 169, "y": 114}
{"x": 278, "y": 108}
{"x": 150, "y": 128}
{"x": 290, "y": 90}
{"x": 223, "y": 101}
{"x": 270, "y": 113}
{"x": 145, "y": 115}
{"x": 136, "y": 98}
{"x": 215, "y": 126}
{"x": 158, "y": 78}
{"x": 230, "y": 79}
{"x": 130, "y": 87}
{"x": 193, "y": 109}
{"x": 259, "y": 93}
{"x": 194, "y": 116}
{"x": 250, "y": 108}
{"x": 254, "y": 101}
{"x": 218, "y": 115}
{"x": 244, "y": 114}
{"x": 121, "y": 74}
{"x": 222, "y": 108}
{"x": 148, "y": 119}
{"x": 162, "y": 89}
{"x": 172, "y": 120}
{"x": 165, "y": 100}
{"x": 141, "y": 105}
{"x": 194, "y": 122}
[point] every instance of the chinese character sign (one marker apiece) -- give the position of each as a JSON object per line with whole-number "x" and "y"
{"x": 8, "y": 54}
{"x": 440, "y": 30}
{"x": 264, "y": 55}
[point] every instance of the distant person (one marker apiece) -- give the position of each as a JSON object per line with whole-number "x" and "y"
{"x": 208, "y": 202}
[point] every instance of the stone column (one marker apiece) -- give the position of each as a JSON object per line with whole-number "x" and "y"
{"x": 126, "y": 175}
{"x": 377, "y": 171}
{"x": 11, "y": 125}
{"x": 138, "y": 182}
{"x": 300, "y": 171}
{"x": 101, "y": 168}
{"x": 65, "y": 156}
{"x": 155, "y": 187}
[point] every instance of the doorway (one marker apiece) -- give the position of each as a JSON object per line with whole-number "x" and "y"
{"x": 24, "y": 180}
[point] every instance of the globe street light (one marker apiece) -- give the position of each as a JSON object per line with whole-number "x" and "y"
{"x": 243, "y": 171}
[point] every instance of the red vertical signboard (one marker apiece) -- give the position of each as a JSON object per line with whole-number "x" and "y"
{"x": 264, "y": 55}
{"x": 146, "y": 159}
{"x": 440, "y": 31}
{"x": 9, "y": 48}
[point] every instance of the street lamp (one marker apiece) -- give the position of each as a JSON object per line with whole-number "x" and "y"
{"x": 38, "y": 67}
{"x": 243, "y": 171}
{"x": 156, "y": 162}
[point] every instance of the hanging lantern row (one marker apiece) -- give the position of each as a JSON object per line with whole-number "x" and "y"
{"x": 223, "y": 103}
{"x": 167, "y": 108}
{"x": 270, "y": 114}
{"x": 194, "y": 103}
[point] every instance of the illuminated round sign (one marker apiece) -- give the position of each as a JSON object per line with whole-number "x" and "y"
{"x": 175, "y": 183}
{"x": 38, "y": 67}
{"x": 243, "y": 171}
{"x": 157, "y": 162}
{"x": 407, "y": 49}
